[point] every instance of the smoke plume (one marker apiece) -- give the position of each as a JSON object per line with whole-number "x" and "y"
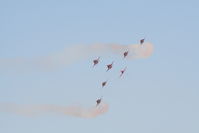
{"x": 78, "y": 52}
{"x": 63, "y": 58}
{"x": 33, "y": 110}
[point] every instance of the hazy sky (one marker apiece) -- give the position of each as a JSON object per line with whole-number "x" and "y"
{"x": 156, "y": 95}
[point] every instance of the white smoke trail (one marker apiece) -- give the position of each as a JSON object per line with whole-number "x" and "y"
{"x": 78, "y": 52}
{"x": 33, "y": 110}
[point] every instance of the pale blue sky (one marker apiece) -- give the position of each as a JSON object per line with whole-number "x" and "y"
{"x": 157, "y": 95}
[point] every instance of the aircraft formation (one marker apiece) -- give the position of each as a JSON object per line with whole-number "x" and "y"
{"x": 110, "y": 66}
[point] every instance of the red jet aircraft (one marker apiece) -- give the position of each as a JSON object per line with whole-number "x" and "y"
{"x": 142, "y": 41}
{"x": 98, "y": 102}
{"x": 122, "y": 72}
{"x": 96, "y": 61}
{"x": 109, "y": 66}
{"x": 104, "y": 83}
{"x": 126, "y": 53}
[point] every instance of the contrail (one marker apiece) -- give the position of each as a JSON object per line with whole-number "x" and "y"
{"x": 34, "y": 110}
{"x": 78, "y": 52}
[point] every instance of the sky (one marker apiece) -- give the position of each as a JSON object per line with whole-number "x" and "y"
{"x": 158, "y": 94}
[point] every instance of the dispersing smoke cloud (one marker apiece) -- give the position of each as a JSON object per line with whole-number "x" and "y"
{"x": 74, "y": 53}
{"x": 33, "y": 110}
